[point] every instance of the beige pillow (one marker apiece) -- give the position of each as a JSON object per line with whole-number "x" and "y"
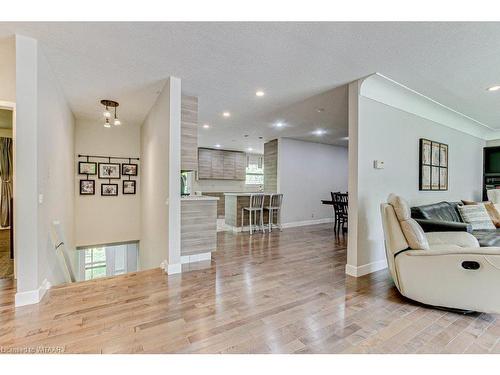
{"x": 400, "y": 206}
{"x": 414, "y": 235}
{"x": 477, "y": 216}
{"x": 490, "y": 208}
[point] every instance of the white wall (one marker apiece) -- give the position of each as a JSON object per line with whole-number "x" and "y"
{"x": 8, "y": 69}
{"x": 44, "y": 138}
{"x": 160, "y": 197}
{"x": 387, "y": 133}
{"x": 106, "y": 220}
{"x": 55, "y": 171}
{"x": 307, "y": 173}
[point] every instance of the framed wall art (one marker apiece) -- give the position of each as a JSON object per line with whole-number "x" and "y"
{"x": 87, "y": 187}
{"x": 128, "y": 186}
{"x": 109, "y": 190}
{"x": 433, "y": 166}
{"x": 109, "y": 171}
{"x": 85, "y": 167}
{"x": 129, "y": 169}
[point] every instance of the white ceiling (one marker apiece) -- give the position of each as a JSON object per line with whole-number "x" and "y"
{"x": 225, "y": 63}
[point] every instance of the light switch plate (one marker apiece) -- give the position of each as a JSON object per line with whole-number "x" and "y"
{"x": 378, "y": 164}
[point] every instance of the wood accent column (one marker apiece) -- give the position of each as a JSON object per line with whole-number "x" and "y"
{"x": 271, "y": 166}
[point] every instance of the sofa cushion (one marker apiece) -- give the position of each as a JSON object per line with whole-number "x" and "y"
{"x": 412, "y": 231}
{"x": 400, "y": 205}
{"x": 487, "y": 238}
{"x": 414, "y": 235}
{"x": 444, "y": 211}
{"x": 477, "y": 216}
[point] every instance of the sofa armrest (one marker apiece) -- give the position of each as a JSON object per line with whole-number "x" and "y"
{"x": 462, "y": 239}
{"x": 443, "y": 226}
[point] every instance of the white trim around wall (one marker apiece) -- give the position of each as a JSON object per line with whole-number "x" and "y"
{"x": 196, "y": 257}
{"x": 31, "y": 297}
{"x": 365, "y": 269}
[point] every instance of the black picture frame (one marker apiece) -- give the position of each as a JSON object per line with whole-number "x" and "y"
{"x": 132, "y": 183}
{"x": 108, "y": 177}
{"x": 83, "y": 191}
{"x": 106, "y": 194}
{"x": 433, "y": 165}
{"x": 82, "y": 163}
{"x": 135, "y": 168}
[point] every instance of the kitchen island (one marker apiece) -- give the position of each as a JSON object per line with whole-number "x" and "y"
{"x": 198, "y": 228}
{"x": 234, "y": 202}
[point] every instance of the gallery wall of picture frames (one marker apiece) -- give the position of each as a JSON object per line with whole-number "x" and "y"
{"x": 110, "y": 168}
{"x": 433, "y": 166}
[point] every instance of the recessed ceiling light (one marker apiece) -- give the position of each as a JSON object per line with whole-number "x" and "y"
{"x": 250, "y": 149}
{"x": 245, "y": 135}
{"x": 218, "y": 146}
{"x": 319, "y": 132}
{"x": 494, "y": 88}
{"x": 320, "y": 110}
{"x": 260, "y": 93}
{"x": 226, "y": 114}
{"x": 279, "y": 125}
{"x": 206, "y": 126}
{"x": 261, "y": 137}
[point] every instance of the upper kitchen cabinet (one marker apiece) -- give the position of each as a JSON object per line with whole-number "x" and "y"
{"x": 221, "y": 164}
{"x": 189, "y": 133}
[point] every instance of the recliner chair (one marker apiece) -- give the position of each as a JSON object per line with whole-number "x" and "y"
{"x": 453, "y": 272}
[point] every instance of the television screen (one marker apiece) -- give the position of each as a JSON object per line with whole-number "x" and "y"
{"x": 492, "y": 161}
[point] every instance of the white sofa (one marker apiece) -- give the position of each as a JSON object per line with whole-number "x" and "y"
{"x": 445, "y": 274}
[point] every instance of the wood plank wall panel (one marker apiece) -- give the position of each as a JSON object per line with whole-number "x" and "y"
{"x": 198, "y": 226}
{"x": 189, "y": 133}
{"x": 221, "y": 203}
{"x": 271, "y": 166}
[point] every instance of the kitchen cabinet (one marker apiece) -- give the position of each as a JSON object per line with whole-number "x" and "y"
{"x": 221, "y": 164}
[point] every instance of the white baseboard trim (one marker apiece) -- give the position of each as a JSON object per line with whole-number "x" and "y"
{"x": 196, "y": 257}
{"x": 307, "y": 222}
{"x": 173, "y": 269}
{"x": 31, "y": 297}
{"x": 221, "y": 225}
{"x": 365, "y": 269}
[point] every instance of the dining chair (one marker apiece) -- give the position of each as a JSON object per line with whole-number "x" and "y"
{"x": 275, "y": 201}
{"x": 256, "y": 206}
{"x": 340, "y": 207}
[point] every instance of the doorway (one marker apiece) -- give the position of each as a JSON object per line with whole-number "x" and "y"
{"x": 6, "y": 193}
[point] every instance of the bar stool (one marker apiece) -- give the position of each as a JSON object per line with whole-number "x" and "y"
{"x": 274, "y": 206}
{"x": 256, "y": 205}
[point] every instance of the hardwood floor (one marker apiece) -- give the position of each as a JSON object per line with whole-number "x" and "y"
{"x": 279, "y": 293}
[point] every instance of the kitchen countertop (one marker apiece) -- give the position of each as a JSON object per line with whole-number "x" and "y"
{"x": 199, "y": 198}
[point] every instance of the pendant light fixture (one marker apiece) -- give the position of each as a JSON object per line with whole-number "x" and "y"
{"x": 107, "y": 113}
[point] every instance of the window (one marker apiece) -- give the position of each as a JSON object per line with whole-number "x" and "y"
{"x": 254, "y": 170}
{"x": 105, "y": 261}
{"x": 95, "y": 263}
